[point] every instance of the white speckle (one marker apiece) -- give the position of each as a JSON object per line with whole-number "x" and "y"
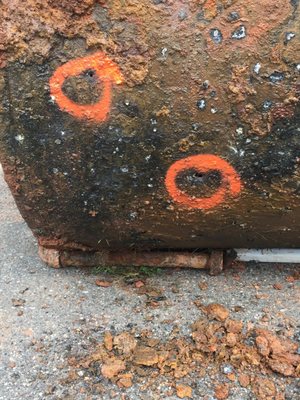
{"x": 213, "y": 110}
{"x": 133, "y": 215}
{"x": 257, "y": 68}
{"x": 55, "y": 170}
{"x": 154, "y": 129}
{"x": 233, "y": 149}
{"x": 164, "y": 51}
{"x": 126, "y": 102}
{"x": 206, "y": 84}
{"x": 147, "y": 158}
{"x": 153, "y": 121}
{"x": 20, "y": 138}
{"x": 124, "y": 169}
{"x": 248, "y": 141}
{"x": 52, "y": 99}
{"x": 66, "y": 174}
{"x": 62, "y": 133}
{"x": 242, "y": 153}
{"x": 239, "y": 130}
{"x": 201, "y": 104}
{"x": 57, "y": 141}
{"x": 150, "y": 185}
{"x": 239, "y": 33}
{"x": 216, "y": 35}
{"x": 92, "y": 170}
{"x": 289, "y": 36}
{"x": 227, "y": 369}
{"x": 298, "y": 67}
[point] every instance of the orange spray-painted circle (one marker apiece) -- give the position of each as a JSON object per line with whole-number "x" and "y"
{"x": 107, "y": 72}
{"x": 230, "y": 181}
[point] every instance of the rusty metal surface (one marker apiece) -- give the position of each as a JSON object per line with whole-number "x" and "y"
{"x": 58, "y": 259}
{"x": 152, "y": 125}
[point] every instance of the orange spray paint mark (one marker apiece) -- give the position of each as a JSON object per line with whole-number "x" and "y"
{"x": 108, "y": 74}
{"x": 231, "y": 184}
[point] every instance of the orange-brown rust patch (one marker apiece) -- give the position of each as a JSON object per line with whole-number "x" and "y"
{"x": 74, "y": 6}
{"x": 258, "y": 18}
{"x": 210, "y": 9}
{"x": 204, "y": 163}
{"x": 283, "y": 111}
{"x": 56, "y": 243}
{"x": 107, "y": 72}
{"x": 32, "y": 27}
{"x": 3, "y": 40}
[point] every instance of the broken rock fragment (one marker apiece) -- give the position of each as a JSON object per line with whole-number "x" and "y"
{"x": 184, "y": 391}
{"x": 216, "y": 311}
{"x": 112, "y": 367}
{"x": 144, "y": 355}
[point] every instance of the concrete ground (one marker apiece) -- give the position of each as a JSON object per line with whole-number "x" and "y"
{"x": 48, "y": 317}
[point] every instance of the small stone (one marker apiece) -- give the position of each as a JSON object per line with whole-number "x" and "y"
{"x": 244, "y": 380}
{"x": 262, "y": 346}
{"x": 264, "y": 389}
{"x": 227, "y": 369}
{"x": 290, "y": 279}
{"x": 217, "y": 311}
{"x": 278, "y": 286}
{"x": 144, "y": 355}
{"x": 108, "y": 341}
{"x": 203, "y": 285}
{"x": 112, "y": 367}
{"x": 234, "y": 326}
{"x": 231, "y": 377}
{"x": 125, "y": 381}
{"x": 18, "y": 302}
{"x": 104, "y": 284}
{"x": 281, "y": 366}
{"x": 184, "y": 391}
{"x": 125, "y": 343}
{"x": 139, "y": 284}
{"x": 231, "y": 339}
{"x": 238, "y": 309}
{"x": 222, "y": 391}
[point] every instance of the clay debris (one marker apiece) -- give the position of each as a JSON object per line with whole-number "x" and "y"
{"x": 216, "y": 340}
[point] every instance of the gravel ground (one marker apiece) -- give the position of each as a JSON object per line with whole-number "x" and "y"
{"x": 48, "y": 316}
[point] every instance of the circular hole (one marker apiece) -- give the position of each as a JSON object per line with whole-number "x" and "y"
{"x": 84, "y": 88}
{"x": 199, "y": 184}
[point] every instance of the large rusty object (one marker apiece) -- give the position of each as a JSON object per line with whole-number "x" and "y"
{"x": 137, "y": 127}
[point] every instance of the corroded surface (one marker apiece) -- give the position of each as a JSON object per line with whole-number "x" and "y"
{"x": 152, "y": 124}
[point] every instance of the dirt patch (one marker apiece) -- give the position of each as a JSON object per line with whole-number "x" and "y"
{"x": 243, "y": 352}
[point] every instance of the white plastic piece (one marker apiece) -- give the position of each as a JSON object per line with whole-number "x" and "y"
{"x": 269, "y": 255}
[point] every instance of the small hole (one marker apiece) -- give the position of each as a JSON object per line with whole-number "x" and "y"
{"x": 199, "y": 184}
